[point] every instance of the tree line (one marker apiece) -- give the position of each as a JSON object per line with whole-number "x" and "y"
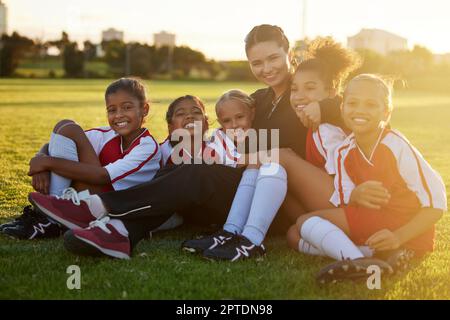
{"x": 417, "y": 66}
{"x": 121, "y": 58}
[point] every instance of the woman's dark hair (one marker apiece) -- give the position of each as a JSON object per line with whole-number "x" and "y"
{"x": 130, "y": 85}
{"x": 330, "y": 60}
{"x": 266, "y": 32}
{"x": 171, "y": 108}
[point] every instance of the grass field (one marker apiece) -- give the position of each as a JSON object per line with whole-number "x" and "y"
{"x": 37, "y": 269}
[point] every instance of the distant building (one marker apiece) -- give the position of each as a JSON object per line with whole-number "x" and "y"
{"x": 164, "y": 39}
{"x": 377, "y": 40}
{"x": 3, "y": 18}
{"x": 112, "y": 34}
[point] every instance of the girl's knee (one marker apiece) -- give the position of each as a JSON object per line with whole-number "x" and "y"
{"x": 301, "y": 219}
{"x": 69, "y": 129}
{"x": 285, "y": 156}
{"x": 293, "y": 237}
{"x": 62, "y": 124}
{"x": 287, "y": 152}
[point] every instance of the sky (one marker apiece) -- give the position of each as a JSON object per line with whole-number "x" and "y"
{"x": 217, "y": 28}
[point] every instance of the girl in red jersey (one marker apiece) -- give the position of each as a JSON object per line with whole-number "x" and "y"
{"x": 108, "y": 158}
{"x": 389, "y": 196}
{"x": 183, "y": 114}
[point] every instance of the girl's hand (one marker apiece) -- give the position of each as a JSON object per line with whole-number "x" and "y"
{"x": 311, "y": 115}
{"x": 383, "y": 240}
{"x": 370, "y": 194}
{"x": 41, "y": 182}
{"x": 300, "y": 114}
{"x": 37, "y": 164}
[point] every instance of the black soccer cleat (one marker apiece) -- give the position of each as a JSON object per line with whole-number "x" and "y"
{"x": 79, "y": 247}
{"x": 8, "y": 224}
{"x": 351, "y": 270}
{"x": 212, "y": 241}
{"x": 398, "y": 259}
{"x": 26, "y": 213}
{"x": 32, "y": 224}
{"x": 237, "y": 248}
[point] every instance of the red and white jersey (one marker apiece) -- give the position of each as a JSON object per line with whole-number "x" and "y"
{"x": 166, "y": 151}
{"x": 223, "y": 149}
{"x": 126, "y": 168}
{"x": 410, "y": 180}
{"x": 219, "y": 149}
{"x": 321, "y": 145}
{"x": 168, "y": 156}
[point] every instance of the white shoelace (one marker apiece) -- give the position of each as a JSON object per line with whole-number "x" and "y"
{"x": 70, "y": 194}
{"x": 101, "y": 223}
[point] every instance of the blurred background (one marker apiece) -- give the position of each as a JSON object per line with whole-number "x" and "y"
{"x": 203, "y": 40}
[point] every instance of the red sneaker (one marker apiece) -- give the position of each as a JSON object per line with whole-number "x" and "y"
{"x": 103, "y": 236}
{"x": 70, "y": 213}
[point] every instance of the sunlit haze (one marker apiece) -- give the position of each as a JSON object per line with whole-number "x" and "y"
{"x": 218, "y": 28}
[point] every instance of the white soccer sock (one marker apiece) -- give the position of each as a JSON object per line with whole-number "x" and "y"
{"x": 119, "y": 226}
{"x": 307, "y": 248}
{"x": 241, "y": 203}
{"x": 65, "y": 148}
{"x": 95, "y": 205}
{"x": 271, "y": 189}
{"x": 329, "y": 239}
{"x": 366, "y": 251}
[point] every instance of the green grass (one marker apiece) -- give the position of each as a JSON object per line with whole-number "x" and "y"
{"x": 37, "y": 269}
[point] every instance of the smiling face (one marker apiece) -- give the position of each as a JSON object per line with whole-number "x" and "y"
{"x": 269, "y": 63}
{"x": 364, "y": 109}
{"x": 125, "y": 113}
{"x": 235, "y": 117}
{"x": 307, "y": 87}
{"x": 185, "y": 114}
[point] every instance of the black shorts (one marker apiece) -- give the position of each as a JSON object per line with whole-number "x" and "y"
{"x": 201, "y": 193}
